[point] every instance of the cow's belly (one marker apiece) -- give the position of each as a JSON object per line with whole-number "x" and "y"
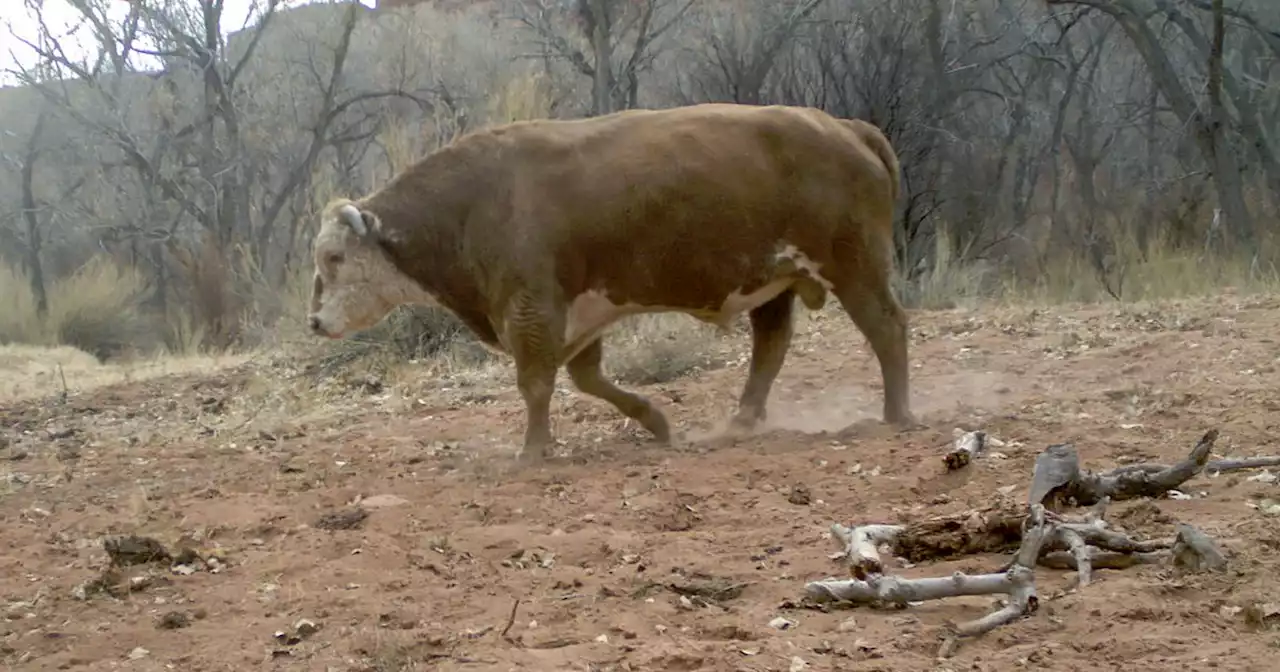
{"x": 592, "y": 312}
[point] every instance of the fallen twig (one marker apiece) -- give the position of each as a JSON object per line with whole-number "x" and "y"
{"x": 511, "y": 620}
{"x": 1236, "y": 464}
{"x": 1018, "y": 582}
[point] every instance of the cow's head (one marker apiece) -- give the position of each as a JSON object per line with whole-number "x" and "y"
{"x": 356, "y": 283}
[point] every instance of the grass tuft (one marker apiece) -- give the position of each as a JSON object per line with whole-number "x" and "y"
{"x": 99, "y": 309}
{"x": 660, "y": 347}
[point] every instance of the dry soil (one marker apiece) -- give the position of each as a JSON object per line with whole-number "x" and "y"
{"x": 254, "y": 465}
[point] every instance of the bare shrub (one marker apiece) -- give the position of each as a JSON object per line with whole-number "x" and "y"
{"x": 19, "y": 321}
{"x": 100, "y": 310}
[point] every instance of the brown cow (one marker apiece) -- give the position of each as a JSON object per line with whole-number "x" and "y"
{"x": 540, "y": 234}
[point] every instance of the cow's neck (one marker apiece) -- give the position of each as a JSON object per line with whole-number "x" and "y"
{"x": 430, "y": 248}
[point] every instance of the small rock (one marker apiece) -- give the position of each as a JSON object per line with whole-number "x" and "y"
{"x": 138, "y": 653}
{"x": 383, "y": 501}
{"x": 797, "y": 664}
{"x": 134, "y": 550}
{"x": 800, "y": 496}
{"x": 173, "y": 620}
{"x": 781, "y": 623}
{"x": 848, "y": 625}
{"x": 603, "y": 639}
{"x": 305, "y": 627}
{"x": 685, "y": 603}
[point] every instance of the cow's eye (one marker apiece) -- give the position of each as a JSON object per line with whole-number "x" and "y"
{"x": 336, "y": 258}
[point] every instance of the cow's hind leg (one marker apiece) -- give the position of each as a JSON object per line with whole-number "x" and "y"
{"x": 585, "y": 371}
{"x": 863, "y": 289}
{"x": 771, "y": 330}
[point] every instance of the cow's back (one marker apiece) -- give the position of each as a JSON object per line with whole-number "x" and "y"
{"x": 690, "y": 204}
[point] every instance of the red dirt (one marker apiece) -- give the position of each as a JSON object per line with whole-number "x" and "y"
{"x": 430, "y": 584}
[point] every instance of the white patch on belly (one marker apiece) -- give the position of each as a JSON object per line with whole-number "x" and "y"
{"x": 804, "y": 263}
{"x": 589, "y": 314}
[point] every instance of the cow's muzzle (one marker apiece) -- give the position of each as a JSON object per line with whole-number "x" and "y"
{"x": 317, "y": 327}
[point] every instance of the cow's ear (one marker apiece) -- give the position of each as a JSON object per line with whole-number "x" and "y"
{"x": 360, "y": 221}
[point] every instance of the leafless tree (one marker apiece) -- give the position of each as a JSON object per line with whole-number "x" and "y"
{"x": 611, "y": 42}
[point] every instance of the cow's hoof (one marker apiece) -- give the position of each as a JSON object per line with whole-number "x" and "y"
{"x": 902, "y": 419}
{"x": 743, "y": 424}
{"x": 532, "y": 456}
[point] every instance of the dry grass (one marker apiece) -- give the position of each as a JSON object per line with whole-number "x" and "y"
{"x": 660, "y": 347}
{"x": 949, "y": 282}
{"x": 1161, "y": 273}
{"x": 99, "y": 309}
{"x": 33, "y": 371}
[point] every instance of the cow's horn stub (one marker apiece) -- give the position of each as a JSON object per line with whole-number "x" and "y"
{"x": 354, "y": 218}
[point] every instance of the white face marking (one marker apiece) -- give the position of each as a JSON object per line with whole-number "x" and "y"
{"x": 355, "y": 285}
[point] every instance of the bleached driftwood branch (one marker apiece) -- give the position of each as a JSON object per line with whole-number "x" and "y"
{"x": 1238, "y": 463}
{"x": 1060, "y": 478}
{"x": 967, "y": 447}
{"x": 1042, "y": 537}
{"x": 861, "y": 546}
{"x": 1047, "y": 539}
{"x": 1017, "y": 582}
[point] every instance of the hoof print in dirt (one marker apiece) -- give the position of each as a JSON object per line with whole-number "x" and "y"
{"x": 523, "y": 559}
{"x": 134, "y": 550}
{"x": 346, "y": 519}
{"x": 683, "y": 515}
{"x": 704, "y": 590}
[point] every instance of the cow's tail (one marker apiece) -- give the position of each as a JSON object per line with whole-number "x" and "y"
{"x": 876, "y": 140}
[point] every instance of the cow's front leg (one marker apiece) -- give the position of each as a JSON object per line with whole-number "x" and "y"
{"x": 532, "y": 330}
{"x": 536, "y": 383}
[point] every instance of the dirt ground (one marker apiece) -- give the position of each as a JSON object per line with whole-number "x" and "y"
{"x": 252, "y": 465}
